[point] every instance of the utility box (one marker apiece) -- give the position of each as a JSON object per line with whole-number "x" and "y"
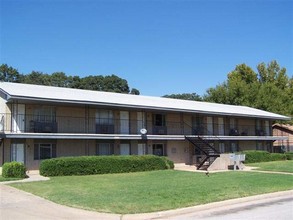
{"x": 237, "y": 159}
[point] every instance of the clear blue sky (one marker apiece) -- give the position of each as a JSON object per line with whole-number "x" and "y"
{"x": 160, "y": 47}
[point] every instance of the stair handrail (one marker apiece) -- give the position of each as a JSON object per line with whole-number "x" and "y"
{"x": 208, "y": 131}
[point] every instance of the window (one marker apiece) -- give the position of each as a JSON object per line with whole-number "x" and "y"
{"x": 197, "y": 125}
{"x": 104, "y": 122}
{"x": 159, "y": 149}
{"x": 104, "y": 117}
{"x": 104, "y": 149}
{"x": 159, "y": 124}
{"x": 45, "y": 114}
{"x": 44, "y": 151}
{"x": 159, "y": 120}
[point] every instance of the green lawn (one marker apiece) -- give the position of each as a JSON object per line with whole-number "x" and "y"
{"x": 280, "y": 166}
{"x": 154, "y": 191}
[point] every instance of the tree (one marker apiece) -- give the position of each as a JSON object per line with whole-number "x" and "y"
{"x": 114, "y": 83}
{"x": 134, "y": 91}
{"x": 269, "y": 89}
{"x": 92, "y": 83}
{"x": 185, "y": 96}
{"x": 9, "y": 74}
{"x": 110, "y": 83}
{"x": 37, "y": 78}
{"x": 59, "y": 79}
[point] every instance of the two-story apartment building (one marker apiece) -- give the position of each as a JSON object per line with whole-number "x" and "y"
{"x": 40, "y": 122}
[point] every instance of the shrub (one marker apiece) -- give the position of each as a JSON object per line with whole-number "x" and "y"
{"x": 255, "y": 156}
{"x": 289, "y": 155}
{"x": 169, "y": 163}
{"x": 88, "y": 165}
{"x": 278, "y": 156}
{"x": 13, "y": 170}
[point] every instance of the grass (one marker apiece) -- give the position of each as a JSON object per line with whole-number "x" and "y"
{"x": 154, "y": 191}
{"x": 279, "y": 166}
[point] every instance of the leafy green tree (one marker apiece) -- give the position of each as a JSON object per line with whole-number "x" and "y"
{"x": 269, "y": 89}
{"x": 37, "y": 78}
{"x": 59, "y": 79}
{"x": 134, "y": 91}
{"x": 185, "y": 96}
{"x": 114, "y": 83}
{"x": 91, "y": 83}
{"x": 9, "y": 74}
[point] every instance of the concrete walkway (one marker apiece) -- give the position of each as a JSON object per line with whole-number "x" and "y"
{"x": 192, "y": 168}
{"x": 33, "y": 176}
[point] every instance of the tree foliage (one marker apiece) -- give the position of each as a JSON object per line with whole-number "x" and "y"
{"x": 268, "y": 89}
{"x": 111, "y": 83}
{"x": 9, "y": 74}
{"x": 185, "y": 96}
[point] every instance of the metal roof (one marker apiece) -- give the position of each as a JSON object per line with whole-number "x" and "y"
{"x": 28, "y": 92}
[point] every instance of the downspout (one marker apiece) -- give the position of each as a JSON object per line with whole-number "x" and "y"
{"x": 2, "y": 151}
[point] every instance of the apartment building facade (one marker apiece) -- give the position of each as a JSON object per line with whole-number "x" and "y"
{"x": 41, "y": 122}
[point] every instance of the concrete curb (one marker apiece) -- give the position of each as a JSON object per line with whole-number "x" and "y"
{"x": 232, "y": 203}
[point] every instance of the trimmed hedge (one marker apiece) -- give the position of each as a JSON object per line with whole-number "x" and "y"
{"x": 255, "y": 156}
{"x": 289, "y": 155}
{"x": 13, "y": 170}
{"x": 89, "y": 165}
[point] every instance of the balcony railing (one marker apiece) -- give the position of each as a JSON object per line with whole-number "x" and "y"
{"x": 92, "y": 125}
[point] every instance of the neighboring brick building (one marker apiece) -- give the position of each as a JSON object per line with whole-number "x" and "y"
{"x": 283, "y": 130}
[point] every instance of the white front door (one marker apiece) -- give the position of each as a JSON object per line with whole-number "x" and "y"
{"x": 17, "y": 152}
{"x": 140, "y": 121}
{"x": 18, "y": 123}
{"x": 221, "y": 126}
{"x": 210, "y": 126}
{"x": 124, "y": 149}
{"x": 124, "y": 122}
{"x": 141, "y": 149}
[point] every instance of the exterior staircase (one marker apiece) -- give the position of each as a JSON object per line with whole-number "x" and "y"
{"x": 209, "y": 152}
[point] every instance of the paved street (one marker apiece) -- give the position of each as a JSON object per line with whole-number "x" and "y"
{"x": 277, "y": 210}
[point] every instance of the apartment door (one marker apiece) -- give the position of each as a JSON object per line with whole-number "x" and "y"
{"x": 222, "y": 148}
{"x": 141, "y": 149}
{"x": 124, "y": 149}
{"x": 221, "y": 126}
{"x": 233, "y": 147}
{"x": 140, "y": 121}
{"x": 267, "y": 128}
{"x": 18, "y": 123}
{"x": 210, "y": 127}
{"x": 17, "y": 152}
{"x": 124, "y": 122}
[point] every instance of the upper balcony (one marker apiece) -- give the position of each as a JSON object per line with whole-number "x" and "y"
{"x": 47, "y": 124}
